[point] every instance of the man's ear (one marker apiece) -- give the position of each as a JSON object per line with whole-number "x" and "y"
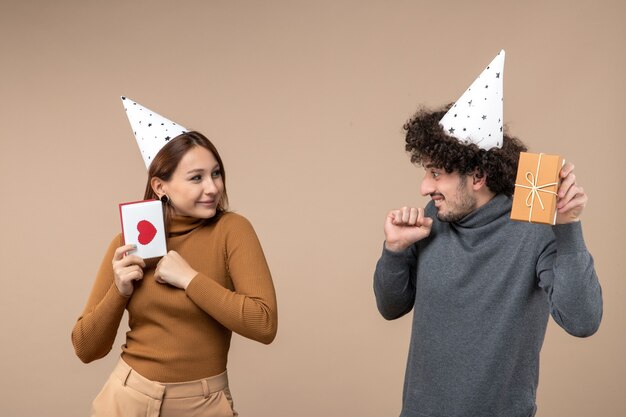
{"x": 158, "y": 186}
{"x": 478, "y": 182}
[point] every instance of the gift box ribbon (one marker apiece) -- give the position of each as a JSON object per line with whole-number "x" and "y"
{"x": 535, "y": 189}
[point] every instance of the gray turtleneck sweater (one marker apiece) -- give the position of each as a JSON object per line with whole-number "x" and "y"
{"x": 481, "y": 290}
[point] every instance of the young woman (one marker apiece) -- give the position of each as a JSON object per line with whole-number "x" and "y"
{"x": 182, "y": 309}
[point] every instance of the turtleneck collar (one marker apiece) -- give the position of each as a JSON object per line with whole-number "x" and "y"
{"x": 180, "y": 225}
{"x": 497, "y": 207}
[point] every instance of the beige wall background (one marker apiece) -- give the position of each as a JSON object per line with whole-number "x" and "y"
{"x": 306, "y": 102}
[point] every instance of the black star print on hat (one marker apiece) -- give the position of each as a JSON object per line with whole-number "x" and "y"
{"x": 481, "y": 112}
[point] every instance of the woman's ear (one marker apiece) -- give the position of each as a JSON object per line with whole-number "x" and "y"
{"x": 158, "y": 186}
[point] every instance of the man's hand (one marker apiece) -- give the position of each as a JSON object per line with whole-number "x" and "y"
{"x": 571, "y": 198}
{"x": 405, "y": 226}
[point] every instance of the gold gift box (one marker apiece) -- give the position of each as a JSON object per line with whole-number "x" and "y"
{"x": 534, "y": 198}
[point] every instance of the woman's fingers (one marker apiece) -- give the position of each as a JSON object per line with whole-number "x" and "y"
{"x": 121, "y": 252}
{"x": 127, "y": 268}
{"x": 121, "y": 257}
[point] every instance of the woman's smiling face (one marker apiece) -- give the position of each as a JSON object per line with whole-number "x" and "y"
{"x": 196, "y": 186}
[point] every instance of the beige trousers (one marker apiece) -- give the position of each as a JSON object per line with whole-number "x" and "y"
{"x": 128, "y": 394}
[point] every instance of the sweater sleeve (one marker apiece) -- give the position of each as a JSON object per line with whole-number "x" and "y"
{"x": 393, "y": 285}
{"x": 250, "y": 309}
{"x": 94, "y": 332}
{"x": 566, "y": 273}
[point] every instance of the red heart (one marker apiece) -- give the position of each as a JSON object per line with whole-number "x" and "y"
{"x": 147, "y": 231}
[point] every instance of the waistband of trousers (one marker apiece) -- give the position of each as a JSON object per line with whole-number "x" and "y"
{"x": 158, "y": 390}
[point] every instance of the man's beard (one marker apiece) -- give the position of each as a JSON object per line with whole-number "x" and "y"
{"x": 463, "y": 205}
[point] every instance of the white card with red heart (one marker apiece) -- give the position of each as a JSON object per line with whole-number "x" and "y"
{"x": 142, "y": 225}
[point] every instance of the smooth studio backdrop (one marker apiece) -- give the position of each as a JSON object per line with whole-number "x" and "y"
{"x": 305, "y": 100}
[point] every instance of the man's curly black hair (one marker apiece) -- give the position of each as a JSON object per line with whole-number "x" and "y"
{"x": 430, "y": 145}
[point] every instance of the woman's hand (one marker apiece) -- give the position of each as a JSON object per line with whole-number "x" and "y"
{"x": 126, "y": 269}
{"x": 174, "y": 270}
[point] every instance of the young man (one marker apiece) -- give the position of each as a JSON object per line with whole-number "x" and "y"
{"x": 481, "y": 286}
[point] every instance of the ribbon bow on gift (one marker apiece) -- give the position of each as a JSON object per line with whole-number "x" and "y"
{"x": 534, "y": 189}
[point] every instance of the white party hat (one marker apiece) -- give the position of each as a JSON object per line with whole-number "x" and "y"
{"x": 152, "y": 131}
{"x": 476, "y": 117}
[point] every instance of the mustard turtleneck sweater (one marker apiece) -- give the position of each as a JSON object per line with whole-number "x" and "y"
{"x": 182, "y": 335}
